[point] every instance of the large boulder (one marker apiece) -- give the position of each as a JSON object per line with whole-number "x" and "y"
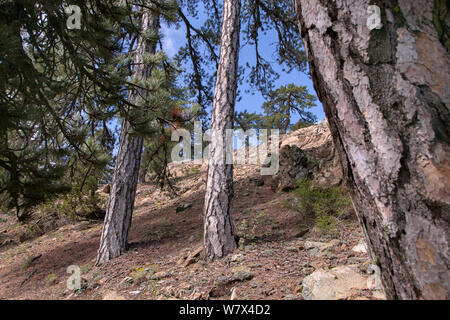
{"x": 308, "y": 153}
{"x": 335, "y": 284}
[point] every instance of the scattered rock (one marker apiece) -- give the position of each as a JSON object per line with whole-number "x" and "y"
{"x": 317, "y": 249}
{"x": 160, "y": 275}
{"x": 289, "y": 297}
{"x": 316, "y": 245}
{"x": 196, "y": 267}
{"x": 360, "y": 247}
{"x": 241, "y": 273}
{"x": 234, "y": 295}
{"x": 197, "y": 252}
{"x": 135, "y": 293}
{"x": 112, "y": 295}
{"x": 268, "y": 252}
{"x": 6, "y": 242}
{"x": 193, "y": 256}
{"x": 185, "y": 286}
{"x": 126, "y": 280}
{"x": 237, "y": 257}
{"x": 189, "y": 261}
{"x": 222, "y": 280}
{"x": 181, "y": 260}
{"x": 183, "y": 206}
{"x": 107, "y": 189}
{"x": 308, "y": 152}
{"x": 257, "y": 181}
{"x": 70, "y": 296}
{"x": 301, "y": 233}
{"x": 378, "y": 294}
{"x": 338, "y": 283}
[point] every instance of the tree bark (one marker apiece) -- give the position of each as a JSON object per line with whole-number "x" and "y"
{"x": 114, "y": 239}
{"x": 385, "y": 95}
{"x": 219, "y": 235}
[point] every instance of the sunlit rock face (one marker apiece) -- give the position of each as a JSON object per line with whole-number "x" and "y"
{"x": 307, "y": 153}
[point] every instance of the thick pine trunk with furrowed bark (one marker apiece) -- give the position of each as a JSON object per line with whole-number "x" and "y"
{"x": 114, "y": 239}
{"x": 219, "y": 235}
{"x": 385, "y": 94}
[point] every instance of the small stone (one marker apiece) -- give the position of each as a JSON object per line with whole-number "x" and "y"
{"x": 234, "y": 295}
{"x": 185, "y": 286}
{"x": 180, "y": 261}
{"x": 360, "y": 247}
{"x": 335, "y": 284}
{"x": 241, "y": 273}
{"x": 183, "y": 206}
{"x": 196, "y": 252}
{"x": 289, "y": 297}
{"x": 378, "y": 294}
{"x": 190, "y": 260}
{"x": 160, "y": 275}
{"x": 196, "y": 267}
{"x": 107, "y": 189}
{"x": 257, "y": 181}
{"x": 237, "y": 257}
{"x": 70, "y": 296}
{"x": 222, "y": 280}
{"x": 135, "y": 292}
{"x": 127, "y": 280}
{"x": 301, "y": 233}
{"x": 112, "y": 295}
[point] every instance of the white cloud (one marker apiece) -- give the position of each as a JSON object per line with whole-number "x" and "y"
{"x": 173, "y": 39}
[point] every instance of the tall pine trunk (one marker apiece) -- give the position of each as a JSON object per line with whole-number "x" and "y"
{"x": 114, "y": 239}
{"x": 385, "y": 94}
{"x": 219, "y": 235}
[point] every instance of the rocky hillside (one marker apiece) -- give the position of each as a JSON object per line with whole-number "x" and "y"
{"x": 282, "y": 254}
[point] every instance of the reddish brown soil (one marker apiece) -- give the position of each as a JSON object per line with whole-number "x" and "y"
{"x": 160, "y": 236}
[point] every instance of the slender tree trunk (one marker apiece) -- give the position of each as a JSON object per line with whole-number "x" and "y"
{"x": 219, "y": 235}
{"x": 288, "y": 114}
{"x": 117, "y": 223}
{"x": 385, "y": 94}
{"x": 288, "y": 120}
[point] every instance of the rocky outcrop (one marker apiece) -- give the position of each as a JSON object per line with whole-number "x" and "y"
{"x": 339, "y": 283}
{"x": 308, "y": 153}
{"x": 304, "y": 153}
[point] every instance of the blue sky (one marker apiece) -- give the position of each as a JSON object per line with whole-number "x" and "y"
{"x": 175, "y": 38}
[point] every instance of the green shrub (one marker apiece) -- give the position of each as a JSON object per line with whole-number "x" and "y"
{"x": 194, "y": 170}
{"x": 248, "y": 228}
{"x": 328, "y": 204}
{"x": 75, "y": 205}
{"x": 51, "y": 279}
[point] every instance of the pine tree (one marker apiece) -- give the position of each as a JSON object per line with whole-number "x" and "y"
{"x": 114, "y": 239}
{"x": 50, "y": 77}
{"x": 219, "y": 230}
{"x": 283, "y": 102}
{"x": 380, "y": 78}
{"x": 248, "y": 120}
